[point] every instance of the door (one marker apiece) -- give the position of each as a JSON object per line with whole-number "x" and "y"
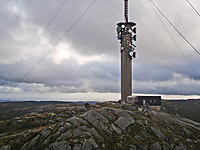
{"x": 144, "y": 102}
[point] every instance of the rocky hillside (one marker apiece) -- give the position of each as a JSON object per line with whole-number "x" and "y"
{"x": 183, "y": 108}
{"x": 104, "y": 126}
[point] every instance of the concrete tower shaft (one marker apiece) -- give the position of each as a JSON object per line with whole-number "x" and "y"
{"x": 126, "y": 36}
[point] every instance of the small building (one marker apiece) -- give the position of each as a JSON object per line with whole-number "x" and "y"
{"x": 147, "y": 100}
{"x": 141, "y": 102}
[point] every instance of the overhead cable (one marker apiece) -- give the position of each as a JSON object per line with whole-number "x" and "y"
{"x": 190, "y": 65}
{"x": 176, "y": 28}
{"x": 178, "y": 17}
{"x": 193, "y": 7}
{"x": 56, "y": 43}
{"x": 34, "y": 43}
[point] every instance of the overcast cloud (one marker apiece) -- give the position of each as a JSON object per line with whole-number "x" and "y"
{"x": 87, "y": 59}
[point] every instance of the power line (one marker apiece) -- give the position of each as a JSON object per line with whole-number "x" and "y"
{"x": 193, "y": 7}
{"x": 34, "y": 43}
{"x": 56, "y": 43}
{"x": 176, "y": 28}
{"x": 191, "y": 66}
{"x": 178, "y": 17}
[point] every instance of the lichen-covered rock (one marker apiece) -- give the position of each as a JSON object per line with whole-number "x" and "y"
{"x": 105, "y": 113}
{"x": 156, "y": 146}
{"x": 77, "y": 147}
{"x": 98, "y": 121}
{"x": 65, "y": 135}
{"x": 187, "y": 132}
{"x": 139, "y": 138}
{"x": 123, "y": 123}
{"x": 94, "y": 118}
{"x": 79, "y": 133}
{"x": 30, "y": 145}
{"x": 124, "y": 120}
{"x": 6, "y": 147}
{"x": 125, "y": 114}
{"x": 107, "y": 128}
{"x": 158, "y": 133}
{"x": 75, "y": 121}
{"x": 62, "y": 145}
{"x": 164, "y": 117}
{"x": 180, "y": 148}
{"x": 46, "y": 132}
{"x": 89, "y": 144}
{"x": 62, "y": 129}
{"x": 117, "y": 130}
{"x": 94, "y": 133}
{"x": 132, "y": 147}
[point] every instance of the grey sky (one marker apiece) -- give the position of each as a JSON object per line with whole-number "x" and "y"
{"x": 88, "y": 58}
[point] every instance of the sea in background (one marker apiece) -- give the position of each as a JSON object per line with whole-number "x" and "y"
{"x": 74, "y": 97}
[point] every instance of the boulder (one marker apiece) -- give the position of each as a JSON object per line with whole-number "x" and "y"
{"x": 46, "y": 132}
{"x": 94, "y": 117}
{"x": 77, "y": 147}
{"x": 180, "y": 148}
{"x": 75, "y": 121}
{"x": 158, "y": 133}
{"x": 117, "y": 130}
{"x": 139, "y": 138}
{"x": 62, "y": 145}
{"x": 105, "y": 113}
{"x": 30, "y": 144}
{"x": 65, "y": 135}
{"x": 94, "y": 133}
{"x": 89, "y": 144}
{"x": 123, "y": 123}
{"x": 156, "y": 146}
{"x": 125, "y": 114}
{"x": 98, "y": 121}
{"x": 6, "y": 147}
{"x": 62, "y": 129}
{"x": 187, "y": 132}
{"x": 132, "y": 147}
{"x": 79, "y": 133}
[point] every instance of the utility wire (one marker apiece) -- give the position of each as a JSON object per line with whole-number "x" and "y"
{"x": 178, "y": 17}
{"x": 191, "y": 66}
{"x": 193, "y": 7}
{"x": 176, "y": 28}
{"x": 34, "y": 43}
{"x": 56, "y": 43}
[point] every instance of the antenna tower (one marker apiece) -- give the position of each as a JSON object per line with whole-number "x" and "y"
{"x": 126, "y": 34}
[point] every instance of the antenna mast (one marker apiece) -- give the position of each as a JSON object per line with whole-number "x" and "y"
{"x": 126, "y": 10}
{"x": 126, "y": 34}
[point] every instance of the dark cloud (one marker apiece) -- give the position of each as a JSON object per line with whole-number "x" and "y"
{"x": 88, "y": 57}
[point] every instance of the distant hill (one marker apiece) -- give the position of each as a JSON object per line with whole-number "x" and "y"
{"x": 183, "y": 108}
{"x": 13, "y": 109}
{"x": 101, "y": 126}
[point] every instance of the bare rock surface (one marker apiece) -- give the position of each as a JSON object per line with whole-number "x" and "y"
{"x": 158, "y": 133}
{"x": 102, "y": 127}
